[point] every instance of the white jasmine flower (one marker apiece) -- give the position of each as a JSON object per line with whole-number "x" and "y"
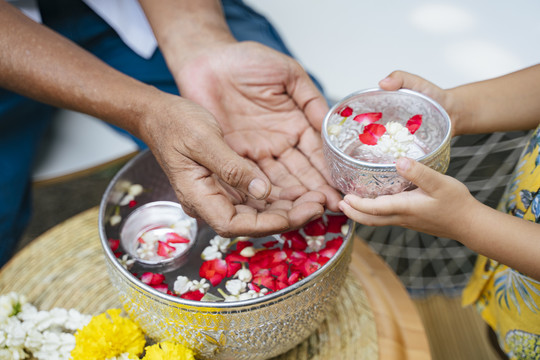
{"x": 126, "y": 261}
{"x": 150, "y": 237}
{"x": 115, "y": 219}
{"x": 34, "y": 340}
{"x": 396, "y": 141}
{"x": 13, "y": 333}
{"x": 126, "y": 199}
{"x": 182, "y": 285}
{"x": 10, "y": 304}
{"x": 248, "y": 251}
{"x": 393, "y": 127}
{"x": 334, "y": 129}
{"x": 345, "y": 229}
{"x": 183, "y": 227}
{"x": 55, "y": 346}
{"x": 229, "y": 298}
{"x": 210, "y": 253}
{"x": 146, "y": 251}
{"x": 315, "y": 243}
{"x": 262, "y": 292}
{"x": 77, "y": 320}
{"x": 251, "y": 294}
{"x": 235, "y": 287}
{"x": 13, "y": 354}
{"x": 244, "y": 275}
{"x": 221, "y": 243}
{"x": 46, "y": 335}
{"x": 201, "y": 285}
{"x": 135, "y": 190}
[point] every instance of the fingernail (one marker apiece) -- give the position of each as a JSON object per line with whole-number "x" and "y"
{"x": 385, "y": 80}
{"x": 257, "y": 188}
{"x": 403, "y": 164}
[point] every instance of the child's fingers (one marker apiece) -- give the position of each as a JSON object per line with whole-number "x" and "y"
{"x": 358, "y": 210}
{"x": 422, "y": 176}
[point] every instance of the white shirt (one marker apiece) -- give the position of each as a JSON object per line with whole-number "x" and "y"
{"x": 126, "y": 17}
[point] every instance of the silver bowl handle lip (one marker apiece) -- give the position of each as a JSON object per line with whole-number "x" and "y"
{"x": 387, "y": 167}
{"x": 262, "y": 301}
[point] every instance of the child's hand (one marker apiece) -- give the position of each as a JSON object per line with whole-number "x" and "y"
{"x": 401, "y": 79}
{"x": 441, "y": 205}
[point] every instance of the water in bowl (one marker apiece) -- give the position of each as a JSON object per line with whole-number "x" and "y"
{"x": 373, "y": 154}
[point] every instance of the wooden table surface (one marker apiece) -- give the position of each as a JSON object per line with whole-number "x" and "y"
{"x": 49, "y": 281}
{"x": 400, "y": 330}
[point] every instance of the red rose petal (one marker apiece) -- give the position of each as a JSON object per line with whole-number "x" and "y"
{"x": 309, "y": 268}
{"x": 294, "y": 240}
{"x": 297, "y": 258}
{"x": 335, "y": 222}
{"x": 315, "y": 227}
{"x": 232, "y": 268}
{"x": 295, "y": 276}
{"x": 368, "y": 139}
{"x": 174, "y": 238}
{"x": 414, "y": 123}
{"x": 213, "y": 271}
{"x": 372, "y": 133}
{"x": 161, "y": 288}
{"x": 253, "y": 287}
{"x": 132, "y": 203}
{"x": 332, "y": 246}
{"x": 164, "y": 249}
{"x": 368, "y": 118}
{"x": 377, "y": 130}
{"x": 235, "y": 257}
{"x": 192, "y": 295}
{"x": 270, "y": 244}
{"x": 346, "y": 112}
{"x": 322, "y": 260}
{"x": 264, "y": 278}
{"x": 114, "y": 244}
{"x": 242, "y": 245}
{"x": 150, "y": 278}
{"x": 281, "y": 285}
{"x": 280, "y": 271}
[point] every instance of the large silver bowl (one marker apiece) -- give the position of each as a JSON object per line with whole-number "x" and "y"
{"x": 251, "y": 329}
{"x": 369, "y": 179}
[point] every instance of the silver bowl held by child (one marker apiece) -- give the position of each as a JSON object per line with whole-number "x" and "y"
{"x": 367, "y": 178}
{"x": 257, "y": 328}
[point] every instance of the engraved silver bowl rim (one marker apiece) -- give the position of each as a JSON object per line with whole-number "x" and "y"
{"x": 382, "y": 167}
{"x": 207, "y": 306}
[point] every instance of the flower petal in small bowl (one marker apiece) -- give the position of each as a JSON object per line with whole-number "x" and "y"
{"x": 159, "y": 235}
{"x": 366, "y": 132}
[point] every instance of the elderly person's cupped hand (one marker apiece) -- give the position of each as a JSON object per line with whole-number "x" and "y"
{"x": 216, "y": 184}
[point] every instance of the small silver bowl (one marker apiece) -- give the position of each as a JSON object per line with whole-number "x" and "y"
{"x": 252, "y": 329}
{"x": 158, "y": 217}
{"x": 371, "y": 179}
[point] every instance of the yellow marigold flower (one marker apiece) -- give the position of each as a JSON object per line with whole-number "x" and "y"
{"x": 168, "y": 351}
{"x": 107, "y": 337}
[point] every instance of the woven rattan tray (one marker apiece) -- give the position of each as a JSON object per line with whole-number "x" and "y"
{"x": 65, "y": 267}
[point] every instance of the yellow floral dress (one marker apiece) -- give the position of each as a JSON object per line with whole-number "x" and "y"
{"x": 506, "y": 299}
